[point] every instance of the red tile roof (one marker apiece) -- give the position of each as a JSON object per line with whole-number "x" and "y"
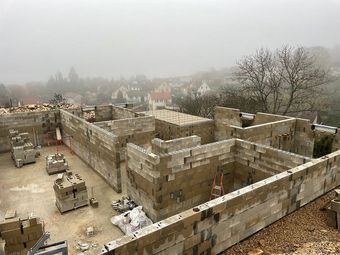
{"x": 160, "y": 96}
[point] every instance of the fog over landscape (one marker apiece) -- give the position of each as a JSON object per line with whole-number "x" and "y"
{"x": 155, "y": 38}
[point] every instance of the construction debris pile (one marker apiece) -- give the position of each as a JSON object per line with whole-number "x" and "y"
{"x": 124, "y": 204}
{"x": 90, "y": 116}
{"x": 22, "y": 149}
{"x": 333, "y": 211}
{"x": 131, "y": 220}
{"x": 70, "y": 191}
{"x": 20, "y": 233}
{"x": 56, "y": 163}
{"x": 37, "y": 108}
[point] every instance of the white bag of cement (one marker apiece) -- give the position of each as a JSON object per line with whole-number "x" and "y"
{"x": 132, "y": 220}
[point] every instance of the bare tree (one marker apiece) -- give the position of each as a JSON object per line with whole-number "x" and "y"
{"x": 199, "y": 105}
{"x": 284, "y": 81}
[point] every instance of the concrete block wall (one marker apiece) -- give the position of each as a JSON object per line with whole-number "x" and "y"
{"x": 336, "y": 142}
{"x": 137, "y": 130}
{"x": 123, "y": 113}
{"x": 180, "y": 179}
{"x": 103, "y": 112}
{"x": 169, "y": 131}
{"x": 289, "y": 134}
{"x": 214, "y": 226}
{"x": 267, "y": 160}
{"x": 96, "y": 146}
{"x": 160, "y": 146}
{"x": 38, "y": 123}
{"x": 303, "y": 138}
{"x": 262, "y": 118}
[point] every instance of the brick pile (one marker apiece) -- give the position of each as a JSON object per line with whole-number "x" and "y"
{"x": 22, "y": 149}
{"x": 56, "y": 163}
{"x": 70, "y": 191}
{"x": 20, "y": 233}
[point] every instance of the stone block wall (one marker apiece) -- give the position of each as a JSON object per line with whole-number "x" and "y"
{"x": 214, "y": 226}
{"x": 168, "y": 183}
{"x": 96, "y": 146}
{"x": 37, "y": 124}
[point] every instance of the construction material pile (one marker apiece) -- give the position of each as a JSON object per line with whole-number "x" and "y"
{"x": 90, "y": 116}
{"x": 56, "y": 163}
{"x": 20, "y": 234}
{"x": 124, "y": 204}
{"x": 131, "y": 220}
{"x": 70, "y": 191}
{"x": 22, "y": 149}
{"x": 37, "y": 108}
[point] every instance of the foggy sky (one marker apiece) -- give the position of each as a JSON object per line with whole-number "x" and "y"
{"x": 157, "y": 38}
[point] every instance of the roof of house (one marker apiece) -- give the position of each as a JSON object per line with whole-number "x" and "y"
{"x": 176, "y": 118}
{"x": 160, "y": 95}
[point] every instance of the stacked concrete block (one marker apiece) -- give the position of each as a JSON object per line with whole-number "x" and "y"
{"x": 56, "y": 163}
{"x": 20, "y": 234}
{"x": 214, "y": 226}
{"x": 70, "y": 191}
{"x": 22, "y": 149}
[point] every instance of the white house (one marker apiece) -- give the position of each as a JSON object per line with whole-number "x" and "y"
{"x": 203, "y": 89}
{"x": 120, "y": 93}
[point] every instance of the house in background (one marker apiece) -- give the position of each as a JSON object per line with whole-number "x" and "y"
{"x": 137, "y": 96}
{"x": 160, "y": 97}
{"x": 120, "y": 93}
{"x": 203, "y": 89}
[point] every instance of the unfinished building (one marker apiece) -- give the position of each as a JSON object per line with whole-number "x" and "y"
{"x": 177, "y": 174}
{"x": 171, "y": 159}
{"x": 171, "y": 125}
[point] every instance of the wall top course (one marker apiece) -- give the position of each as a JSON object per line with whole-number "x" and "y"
{"x": 91, "y": 125}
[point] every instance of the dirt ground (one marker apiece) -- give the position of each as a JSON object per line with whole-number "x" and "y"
{"x": 30, "y": 190}
{"x": 304, "y": 231}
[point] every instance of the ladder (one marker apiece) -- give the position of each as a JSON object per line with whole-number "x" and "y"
{"x": 217, "y": 189}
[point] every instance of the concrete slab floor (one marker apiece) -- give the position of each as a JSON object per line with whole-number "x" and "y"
{"x": 30, "y": 189}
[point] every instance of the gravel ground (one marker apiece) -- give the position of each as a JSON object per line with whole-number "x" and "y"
{"x": 304, "y": 231}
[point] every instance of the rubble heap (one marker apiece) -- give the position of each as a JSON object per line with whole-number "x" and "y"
{"x": 20, "y": 234}
{"x": 70, "y": 191}
{"x": 56, "y": 163}
{"x": 22, "y": 149}
{"x": 37, "y": 108}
